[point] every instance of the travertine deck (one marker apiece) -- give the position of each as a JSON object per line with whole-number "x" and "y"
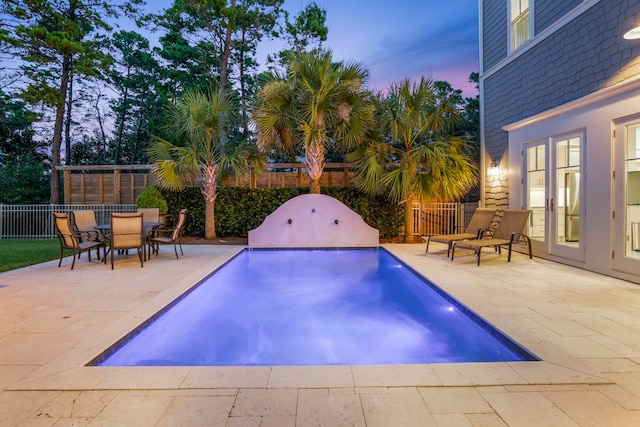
{"x": 585, "y": 327}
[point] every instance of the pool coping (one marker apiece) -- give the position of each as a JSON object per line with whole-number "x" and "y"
{"x": 73, "y": 375}
{"x": 508, "y": 342}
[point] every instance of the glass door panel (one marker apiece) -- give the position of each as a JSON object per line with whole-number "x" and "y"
{"x": 632, "y": 193}
{"x": 567, "y": 200}
{"x": 553, "y": 192}
{"x": 536, "y": 191}
{"x": 626, "y": 223}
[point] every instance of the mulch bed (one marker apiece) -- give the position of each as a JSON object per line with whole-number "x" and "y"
{"x": 198, "y": 240}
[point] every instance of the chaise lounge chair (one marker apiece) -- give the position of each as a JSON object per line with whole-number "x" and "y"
{"x": 480, "y": 222}
{"x": 508, "y": 232}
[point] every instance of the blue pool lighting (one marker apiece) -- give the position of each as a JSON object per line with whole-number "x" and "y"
{"x": 313, "y": 307}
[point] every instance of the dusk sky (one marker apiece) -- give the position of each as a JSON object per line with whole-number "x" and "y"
{"x": 405, "y": 38}
{"x": 397, "y": 39}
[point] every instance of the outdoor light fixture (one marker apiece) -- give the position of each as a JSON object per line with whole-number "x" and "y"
{"x": 494, "y": 169}
{"x": 633, "y": 33}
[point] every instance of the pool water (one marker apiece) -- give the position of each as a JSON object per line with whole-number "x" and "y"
{"x": 314, "y": 307}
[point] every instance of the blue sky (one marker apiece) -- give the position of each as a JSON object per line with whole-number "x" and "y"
{"x": 396, "y": 39}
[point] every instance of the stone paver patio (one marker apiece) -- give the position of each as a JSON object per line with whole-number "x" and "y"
{"x": 585, "y": 327}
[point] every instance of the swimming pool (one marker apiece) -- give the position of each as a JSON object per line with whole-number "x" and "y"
{"x": 313, "y": 307}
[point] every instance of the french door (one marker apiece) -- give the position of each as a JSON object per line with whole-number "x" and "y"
{"x": 626, "y": 215}
{"x": 553, "y": 191}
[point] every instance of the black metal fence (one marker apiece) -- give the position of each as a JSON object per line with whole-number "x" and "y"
{"x": 35, "y": 221}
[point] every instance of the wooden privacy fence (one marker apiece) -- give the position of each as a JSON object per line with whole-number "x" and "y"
{"x": 104, "y": 184}
{"x": 294, "y": 175}
{"x": 121, "y": 184}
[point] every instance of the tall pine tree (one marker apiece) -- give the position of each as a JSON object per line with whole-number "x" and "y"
{"x": 56, "y": 40}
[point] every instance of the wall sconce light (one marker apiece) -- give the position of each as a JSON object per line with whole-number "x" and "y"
{"x": 632, "y": 34}
{"x": 494, "y": 169}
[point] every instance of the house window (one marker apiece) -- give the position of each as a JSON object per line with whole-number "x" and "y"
{"x": 520, "y": 23}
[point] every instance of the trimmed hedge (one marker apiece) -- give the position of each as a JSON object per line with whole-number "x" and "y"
{"x": 240, "y": 209}
{"x": 377, "y": 211}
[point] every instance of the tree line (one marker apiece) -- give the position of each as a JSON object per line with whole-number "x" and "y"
{"x": 198, "y": 103}
{"x": 96, "y": 94}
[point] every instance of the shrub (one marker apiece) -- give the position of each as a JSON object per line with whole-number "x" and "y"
{"x": 240, "y": 209}
{"x": 151, "y": 197}
{"x": 189, "y": 198}
{"x": 377, "y": 211}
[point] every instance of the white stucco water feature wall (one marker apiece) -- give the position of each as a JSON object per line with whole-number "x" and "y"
{"x": 313, "y": 221}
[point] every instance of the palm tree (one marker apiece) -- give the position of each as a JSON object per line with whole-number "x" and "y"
{"x": 316, "y": 103}
{"x": 198, "y": 125}
{"x": 411, "y": 152}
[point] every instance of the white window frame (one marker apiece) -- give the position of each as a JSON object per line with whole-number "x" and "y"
{"x": 511, "y": 32}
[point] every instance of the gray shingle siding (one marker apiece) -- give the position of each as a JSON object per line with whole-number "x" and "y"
{"x": 586, "y": 55}
{"x": 573, "y": 62}
{"x": 546, "y": 12}
{"x": 495, "y": 24}
{"x": 495, "y": 43}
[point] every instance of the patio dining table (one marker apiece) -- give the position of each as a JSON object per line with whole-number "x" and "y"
{"x": 105, "y": 230}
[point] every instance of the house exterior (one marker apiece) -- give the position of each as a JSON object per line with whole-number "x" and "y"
{"x": 560, "y": 126}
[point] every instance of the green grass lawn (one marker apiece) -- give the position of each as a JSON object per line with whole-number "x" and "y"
{"x": 16, "y": 253}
